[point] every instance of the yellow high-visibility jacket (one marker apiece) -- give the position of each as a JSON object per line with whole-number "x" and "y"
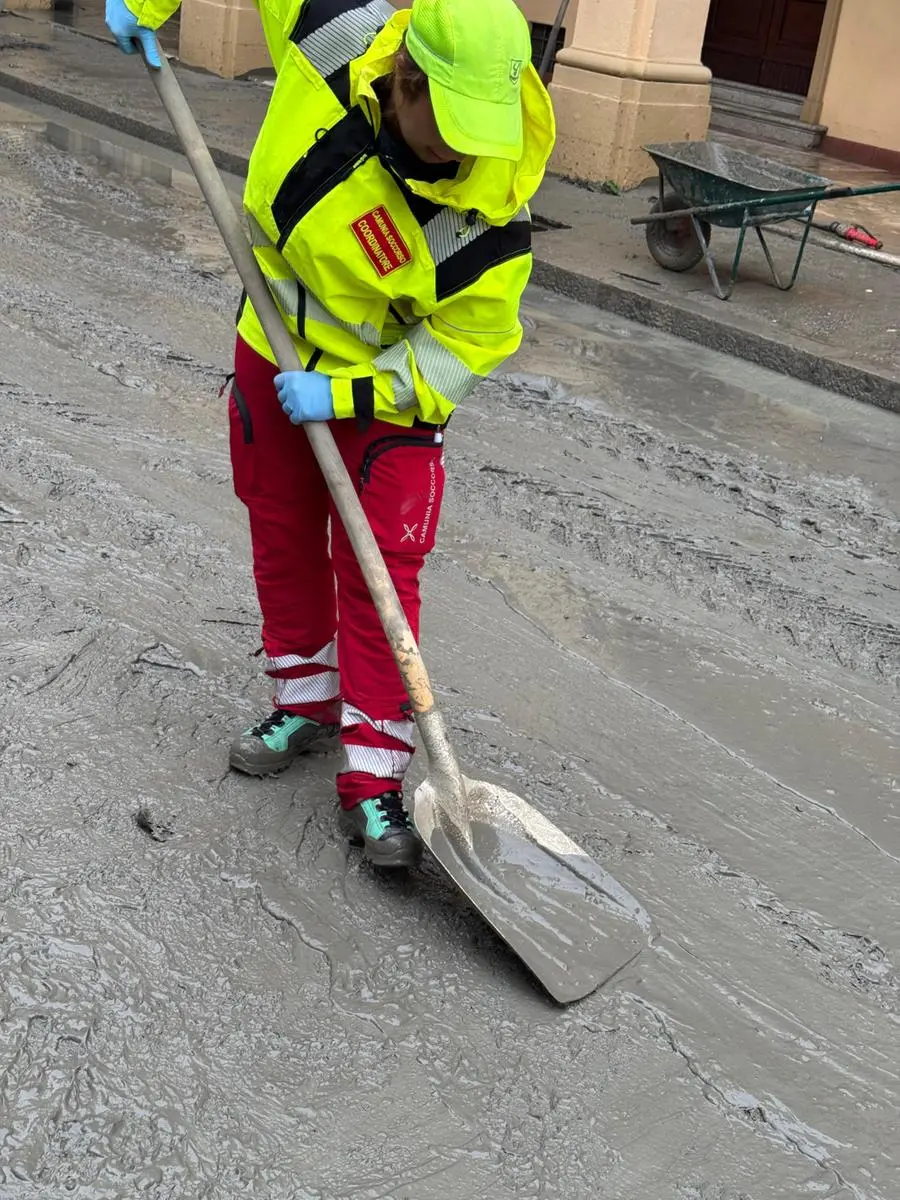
{"x": 406, "y": 293}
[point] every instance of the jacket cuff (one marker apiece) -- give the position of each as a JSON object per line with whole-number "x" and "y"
{"x": 354, "y": 398}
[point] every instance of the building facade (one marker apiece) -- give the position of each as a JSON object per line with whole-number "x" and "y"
{"x": 635, "y": 71}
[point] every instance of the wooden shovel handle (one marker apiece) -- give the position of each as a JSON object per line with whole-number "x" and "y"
{"x": 384, "y": 595}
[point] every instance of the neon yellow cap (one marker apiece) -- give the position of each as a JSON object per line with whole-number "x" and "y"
{"x": 474, "y": 53}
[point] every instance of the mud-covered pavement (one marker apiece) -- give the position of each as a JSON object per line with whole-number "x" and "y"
{"x": 665, "y": 604}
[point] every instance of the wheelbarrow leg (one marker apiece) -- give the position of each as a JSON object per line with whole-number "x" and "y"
{"x": 786, "y": 287}
{"x": 708, "y": 258}
{"x": 738, "y": 253}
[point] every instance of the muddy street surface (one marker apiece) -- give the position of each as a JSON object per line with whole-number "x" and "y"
{"x": 665, "y": 606}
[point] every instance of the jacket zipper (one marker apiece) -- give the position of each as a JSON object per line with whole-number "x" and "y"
{"x": 337, "y": 176}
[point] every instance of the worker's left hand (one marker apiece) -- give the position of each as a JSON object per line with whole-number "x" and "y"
{"x": 125, "y": 29}
{"x": 305, "y": 396}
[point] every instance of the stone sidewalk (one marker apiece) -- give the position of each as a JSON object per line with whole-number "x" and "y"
{"x": 839, "y": 328}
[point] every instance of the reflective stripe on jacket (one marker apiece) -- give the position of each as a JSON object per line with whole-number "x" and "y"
{"x": 405, "y": 292}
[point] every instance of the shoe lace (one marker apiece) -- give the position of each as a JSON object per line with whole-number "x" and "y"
{"x": 271, "y": 723}
{"x": 393, "y": 814}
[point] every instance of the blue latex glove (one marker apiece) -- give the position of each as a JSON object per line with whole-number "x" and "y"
{"x": 123, "y": 25}
{"x": 305, "y": 396}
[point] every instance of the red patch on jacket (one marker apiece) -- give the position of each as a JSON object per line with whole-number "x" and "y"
{"x": 381, "y": 240}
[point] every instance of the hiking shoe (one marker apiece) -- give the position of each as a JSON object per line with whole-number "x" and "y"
{"x": 382, "y": 827}
{"x": 273, "y": 744}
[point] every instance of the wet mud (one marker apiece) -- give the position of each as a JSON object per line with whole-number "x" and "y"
{"x": 665, "y": 606}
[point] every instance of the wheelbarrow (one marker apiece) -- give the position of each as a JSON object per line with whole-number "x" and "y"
{"x": 702, "y": 184}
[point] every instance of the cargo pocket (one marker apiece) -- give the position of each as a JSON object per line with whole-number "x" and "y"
{"x": 241, "y": 439}
{"x": 401, "y": 488}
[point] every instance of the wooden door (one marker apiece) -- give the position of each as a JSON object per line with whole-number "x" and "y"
{"x": 791, "y": 47}
{"x": 769, "y": 43}
{"x": 737, "y": 32}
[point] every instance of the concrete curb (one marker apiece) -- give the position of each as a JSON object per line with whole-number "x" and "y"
{"x": 130, "y": 156}
{"x": 141, "y": 130}
{"x": 142, "y": 150}
{"x": 130, "y": 161}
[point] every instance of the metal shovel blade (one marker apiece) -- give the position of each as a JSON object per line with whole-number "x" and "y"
{"x": 567, "y": 918}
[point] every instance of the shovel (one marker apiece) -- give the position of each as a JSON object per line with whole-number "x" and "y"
{"x": 565, "y": 917}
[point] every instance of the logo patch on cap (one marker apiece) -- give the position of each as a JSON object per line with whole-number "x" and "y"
{"x": 379, "y": 237}
{"x": 515, "y": 69}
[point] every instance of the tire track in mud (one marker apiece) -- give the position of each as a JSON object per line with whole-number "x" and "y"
{"x": 769, "y": 1116}
{"x": 780, "y": 584}
{"x": 841, "y": 958}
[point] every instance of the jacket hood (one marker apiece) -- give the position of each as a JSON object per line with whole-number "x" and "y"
{"x": 494, "y": 188}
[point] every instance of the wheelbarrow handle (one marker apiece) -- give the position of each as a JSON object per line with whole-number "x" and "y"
{"x": 396, "y": 627}
{"x": 833, "y": 192}
{"x": 874, "y": 189}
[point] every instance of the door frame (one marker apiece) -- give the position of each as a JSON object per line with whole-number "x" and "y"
{"x": 812, "y": 105}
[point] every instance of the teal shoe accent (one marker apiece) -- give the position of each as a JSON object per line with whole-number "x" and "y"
{"x": 382, "y": 827}
{"x": 273, "y": 744}
{"x": 377, "y": 821}
{"x": 276, "y": 730}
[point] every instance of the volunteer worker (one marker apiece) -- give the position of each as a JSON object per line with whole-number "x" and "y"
{"x": 386, "y": 202}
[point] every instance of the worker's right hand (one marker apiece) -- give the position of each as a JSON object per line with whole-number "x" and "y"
{"x": 305, "y": 396}
{"x": 123, "y": 25}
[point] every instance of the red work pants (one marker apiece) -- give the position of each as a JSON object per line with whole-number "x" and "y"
{"x": 326, "y": 649}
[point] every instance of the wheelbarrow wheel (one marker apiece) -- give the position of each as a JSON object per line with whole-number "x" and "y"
{"x": 674, "y": 243}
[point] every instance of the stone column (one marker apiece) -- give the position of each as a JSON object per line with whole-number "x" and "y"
{"x": 222, "y": 36}
{"x": 631, "y": 75}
